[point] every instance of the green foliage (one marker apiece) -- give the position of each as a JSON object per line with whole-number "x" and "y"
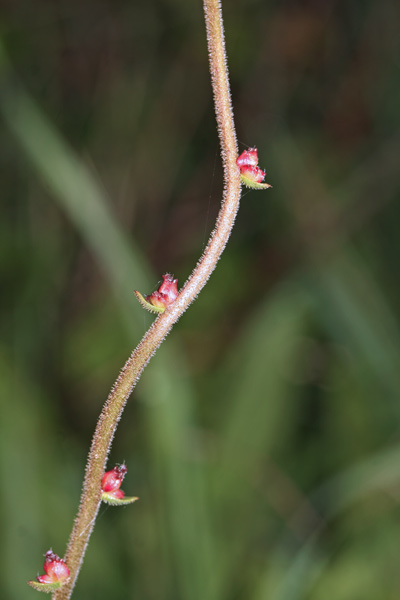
{"x": 263, "y": 438}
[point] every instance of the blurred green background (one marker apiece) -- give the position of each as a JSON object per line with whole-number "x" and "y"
{"x": 264, "y": 438}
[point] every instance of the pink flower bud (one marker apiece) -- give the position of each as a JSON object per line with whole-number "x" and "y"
{"x": 166, "y": 293}
{"x": 250, "y": 173}
{"x": 112, "y": 480}
{"x": 110, "y": 484}
{"x": 253, "y": 173}
{"x": 55, "y": 568}
{"x": 248, "y": 158}
{"x": 157, "y": 300}
{"x": 161, "y": 298}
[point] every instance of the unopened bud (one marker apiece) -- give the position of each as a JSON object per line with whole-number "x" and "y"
{"x": 110, "y": 487}
{"x": 112, "y": 480}
{"x": 248, "y": 157}
{"x": 255, "y": 174}
{"x": 158, "y": 301}
{"x": 250, "y": 173}
{"x": 56, "y": 573}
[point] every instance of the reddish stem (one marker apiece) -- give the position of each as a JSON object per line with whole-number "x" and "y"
{"x": 114, "y": 406}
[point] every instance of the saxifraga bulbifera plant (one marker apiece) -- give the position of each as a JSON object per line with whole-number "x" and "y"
{"x": 169, "y": 303}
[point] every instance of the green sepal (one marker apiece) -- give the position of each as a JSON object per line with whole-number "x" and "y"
{"x": 147, "y": 305}
{"x": 48, "y": 588}
{"x": 253, "y": 184}
{"x": 109, "y": 499}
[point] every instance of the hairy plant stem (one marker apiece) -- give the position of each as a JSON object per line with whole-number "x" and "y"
{"x": 114, "y": 406}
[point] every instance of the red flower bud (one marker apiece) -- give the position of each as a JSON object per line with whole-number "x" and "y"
{"x": 112, "y": 480}
{"x": 110, "y": 485}
{"x": 56, "y": 571}
{"x": 253, "y": 173}
{"x": 161, "y": 298}
{"x": 169, "y": 288}
{"x": 248, "y": 157}
{"x": 250, "y": 174}
{"x": 55, "y": 568}
{"x": 157, "y": 300}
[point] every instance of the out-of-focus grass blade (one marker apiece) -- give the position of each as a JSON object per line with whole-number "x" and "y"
{"x": 82, "y": 199}
{"x": 349, "y": 301}
{"x": 80, "y": 196}
{"x": 26, "y": 465}
{"x": 379, "y": 472}
{"x": 295, "y": 581}
{"x": 259, "y": 412}
{"x": 260, "y": 369}
{"x": 354, "y": 312}
{"x": 351, "y": 308}
{"x": 339, "y": 493}
{"x": 178, "y": 455}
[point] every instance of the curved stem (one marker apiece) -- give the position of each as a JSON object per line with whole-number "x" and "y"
{"x": 114, "y": 406}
